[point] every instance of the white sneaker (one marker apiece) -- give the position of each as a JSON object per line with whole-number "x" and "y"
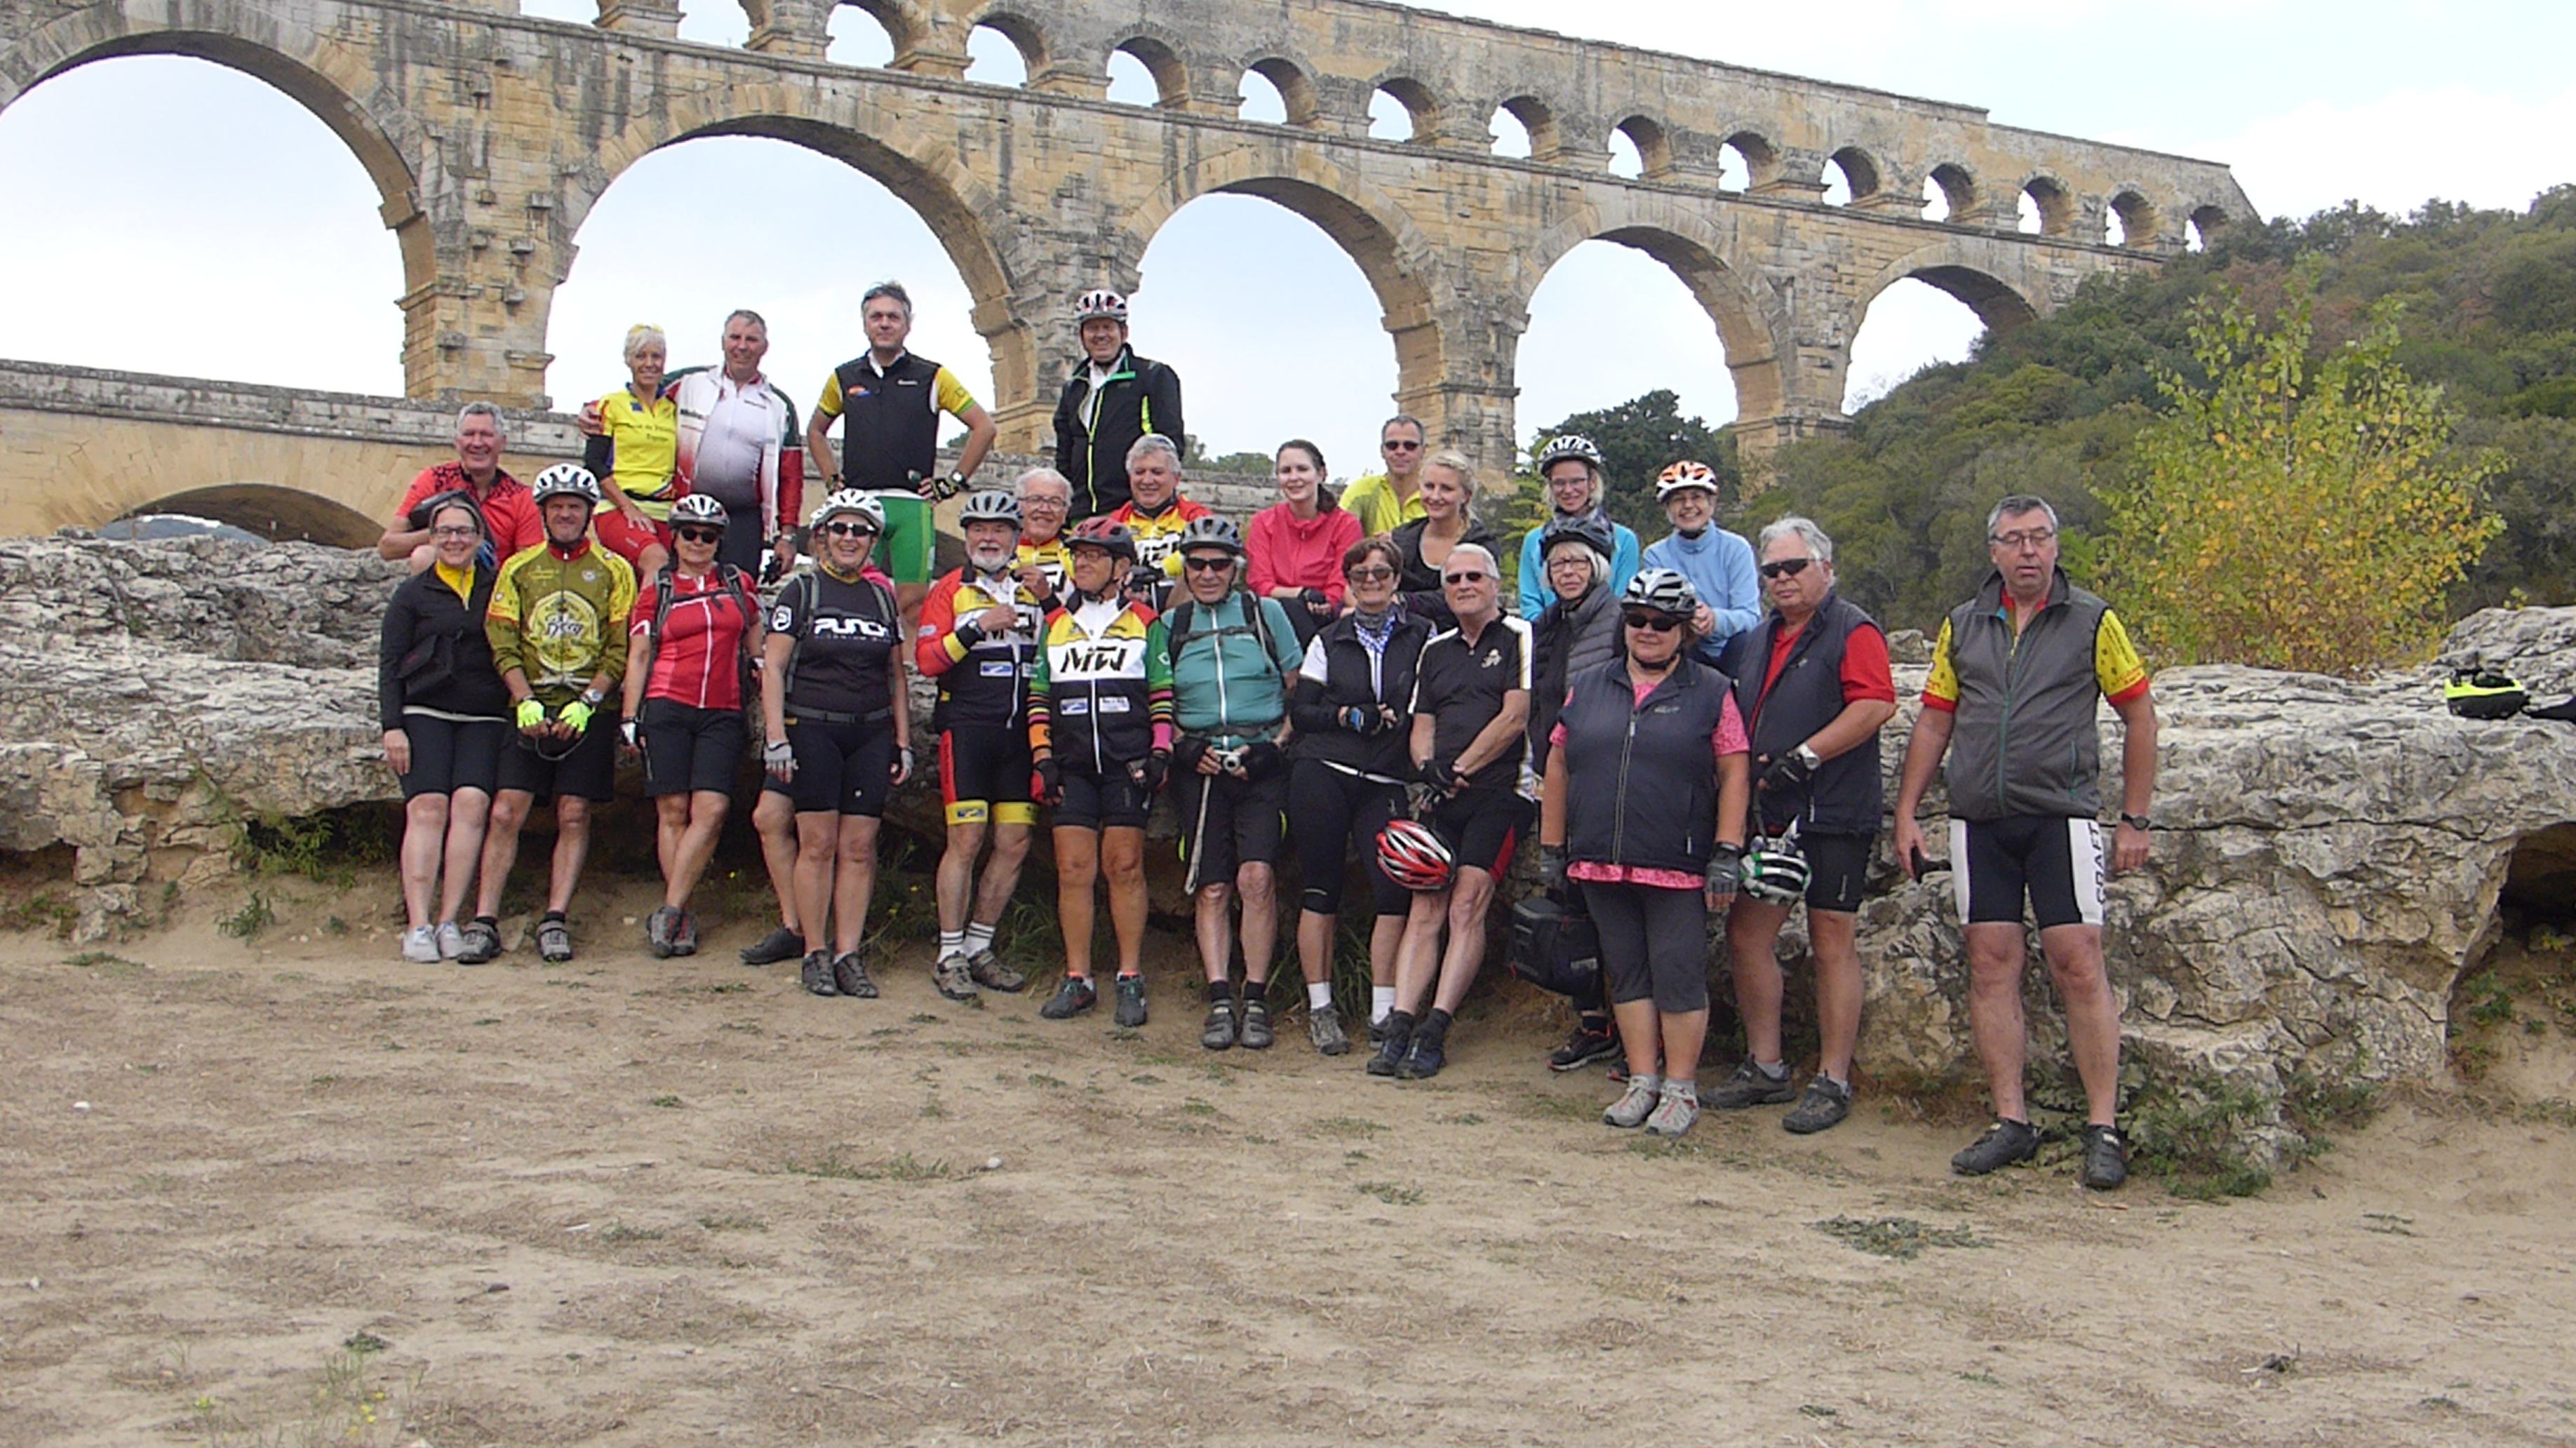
{"x": 451, "y": 940}
{"x": 1632, "y": 1108}
{"x": 1677, "y": 1112}
{"x": 420, "y": 945}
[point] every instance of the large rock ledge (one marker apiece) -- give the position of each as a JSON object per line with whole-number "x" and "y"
{"x": 2328, "y": 857}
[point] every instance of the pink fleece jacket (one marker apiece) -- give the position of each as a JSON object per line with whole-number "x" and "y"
{"x": 1287, "y": 553}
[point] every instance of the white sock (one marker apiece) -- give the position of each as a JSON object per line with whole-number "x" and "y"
{"x": 1381, "y": 1004}
{"x": 1776, "y": 1070}
{"x": 978, "y": 937}
{"x": 1319, "y": 995}
{"x": 951, "y": 942}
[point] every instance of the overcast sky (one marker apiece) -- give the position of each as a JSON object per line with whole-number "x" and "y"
{"x": 169, "y": 216}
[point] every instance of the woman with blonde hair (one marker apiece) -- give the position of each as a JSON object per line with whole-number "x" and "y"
{"x": 1448, "y": 495}
{"x": 636, "y": 455}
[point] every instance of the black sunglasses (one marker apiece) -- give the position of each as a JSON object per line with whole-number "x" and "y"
{"x": 1652, "y": 622}
{"x": 700, "y": 535}
{"x": 849, "y": 530}
{"x": 1206, "y": 563}
{"x": 1472, "y": 575}
{"x": 1786, "y": 568}
{"x": 1395, "y": 444}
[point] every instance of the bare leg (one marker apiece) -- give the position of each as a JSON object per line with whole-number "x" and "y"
{"x": 2092, "y": 1014}
{"x": 1838, "y": 988}
{"x": 1684, "y": 1032}
{"x": 1752, "y": 937}
{"x": 955, "y": 882}
{"x": 1315, "y": 945}
{"x": 1211, "y": 917}
{"x": 774, "y": 819}
{"x": 706, "y": 816}
{"x": 572, "y": 848}
{"x": 1257, "y": 884}
{"x": 1077, "y": 866}
{"x": 1465, "y": 956}
{"x": 1386, "y": 937}
{"x": 1122, "y": 855}
{"x": 1418, "y": 962}
{"x": 1995, "y": 959}
{"x": 854, "y": 882}
{"x": 469, "y": 811}
{"x": 424, "y": 833}
{"x": 670, "y": 822}
{"x": 818, "y": 834}
{"x": 1001, "y": 873}
{"x": 1640, "y": 1036}
{"x": 501, "y": 848}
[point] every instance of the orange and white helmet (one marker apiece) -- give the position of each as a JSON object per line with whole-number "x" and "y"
{"x": 1100, "y": 302}
{"x": 1683, "y": 476}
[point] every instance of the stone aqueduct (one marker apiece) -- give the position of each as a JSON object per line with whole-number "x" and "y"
{"x": 490, "y": 135}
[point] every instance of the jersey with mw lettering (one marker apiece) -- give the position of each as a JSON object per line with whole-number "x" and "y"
{"x": 1102, "y": 694}
{"x": 846, "y": 632}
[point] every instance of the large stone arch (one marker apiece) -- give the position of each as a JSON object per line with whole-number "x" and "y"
{"x": 334, "y": 80}
{"x": 274, "y": 511}
{"x": 1975, "y": 270}
{"x": 1693, "y": 250}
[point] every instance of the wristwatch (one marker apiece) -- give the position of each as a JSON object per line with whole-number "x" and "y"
{"x": 593, "y": 697}
{"x": 1808, "y": 756}
{"x": 2137, "y": 822}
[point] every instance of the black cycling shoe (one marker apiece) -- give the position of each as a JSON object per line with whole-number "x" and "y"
{"x": 1750, "y": 1086}
{"x": 660, "y": 929}
{"x": 2106, "y": 1158}
{"x": 1131, "y": 1001}
{"x": 2004, "y": 1143}
{"x": 1391, "y": 1046}
{"x": 816, "y": 976}
{"x": 779, "y": 944}
{"x": 1218, "y": 1032}
{"x": 1821, "y": 1107}
{"x": 1076, "y": 995}
{"x": 1423, "y": 1057}
{"x": 1252, "y": 1029}
{"x": 482, "y": 942}
{"x": 1584, "y": 1047}
{"x": 850, "y": 973}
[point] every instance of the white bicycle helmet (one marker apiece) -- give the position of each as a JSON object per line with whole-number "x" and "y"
{"x": 851, "y": 500}
{"x": 1666, "y": 590}
{"x": 565, "y": 479}
{"x": 698, "y": 508}
{"x": 1100, "y": 302}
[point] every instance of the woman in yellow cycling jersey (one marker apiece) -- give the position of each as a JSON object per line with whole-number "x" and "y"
{"x": 636, "y": 457}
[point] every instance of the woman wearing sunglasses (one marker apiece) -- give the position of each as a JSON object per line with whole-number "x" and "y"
{"x": 1644, "y": 805}
{"x": 1348, "y": 775}
{"x": 1448, "y": 519}
{"x": 695, "y": 625}
{"x": 839, "y": 737}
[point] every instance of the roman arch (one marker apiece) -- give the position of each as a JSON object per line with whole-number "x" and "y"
{"x": 490, "y": 134}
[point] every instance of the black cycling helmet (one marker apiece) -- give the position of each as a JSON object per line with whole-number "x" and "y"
{"x": 1591, "y": 530}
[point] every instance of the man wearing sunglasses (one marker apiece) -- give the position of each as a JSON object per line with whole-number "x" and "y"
{"x": 1384, "y": 502}
{"x": 1570, "y": 468}
{"x": 1470, "y": 706}
{"x": 2018, "y": 674}
{"x": 1812, "y": 682}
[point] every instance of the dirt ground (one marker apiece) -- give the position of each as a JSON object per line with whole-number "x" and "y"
{"x": 291, "y": 1191}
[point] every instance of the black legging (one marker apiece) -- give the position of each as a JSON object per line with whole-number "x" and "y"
{"x": 1327, "y": 809}
{"x": 1654, "y": 942}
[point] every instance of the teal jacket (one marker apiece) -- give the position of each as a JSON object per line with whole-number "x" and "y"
{"x": 1227, "y": 686}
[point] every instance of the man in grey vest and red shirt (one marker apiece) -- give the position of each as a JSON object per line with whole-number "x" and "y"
{"x": 2018, "y": 675}
{"x": 1812, "y": 683}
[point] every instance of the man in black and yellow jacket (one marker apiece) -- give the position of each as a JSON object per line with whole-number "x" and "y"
{"x": 1113, "y": 398}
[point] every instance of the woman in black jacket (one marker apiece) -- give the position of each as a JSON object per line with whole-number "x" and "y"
{"x": 445, "y": 715}
{"x": 1448, "y": 519}
{"x": 1347, "y": 779}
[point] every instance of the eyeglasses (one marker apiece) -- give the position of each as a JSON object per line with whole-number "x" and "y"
{"x": 1207, "y": 562}
{"x": 699, "y": 535}
{"x": 849, "y": 530}
{"x": 456, "y": 530}
{"x": 1374, "y": 573}
{"x": 2021, "y": 538}
{"x": 1472, "y": 575}
{"x": 1651, "y": 622}
{"x": 1043, "y": 504}
{"x": 1786, "y": 567}
{"x": 1391, "y": 445}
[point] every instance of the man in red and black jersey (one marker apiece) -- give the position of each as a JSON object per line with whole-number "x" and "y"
{"x": 511, "y": 522}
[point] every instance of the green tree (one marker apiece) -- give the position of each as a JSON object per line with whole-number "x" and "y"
{"x": 2290, "y": 513}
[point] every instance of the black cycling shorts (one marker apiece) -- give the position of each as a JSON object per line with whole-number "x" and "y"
{"x": 1838, "y": 870}
{"x": 1654, "y": 944}
{"x": 984, "y": 775}
{"x": 1333, "y": 812}
{"x": 1111, "y": 801}
{"x": 452, "y": 754}
{"x": 843, "y": 769}
{"x": 1227, "y": 823}
{"x": 588, "y": 772}
{"x": 687, "y": 749}
{"x": 1483, "y": 827}
{"x": 2058, "y": 862}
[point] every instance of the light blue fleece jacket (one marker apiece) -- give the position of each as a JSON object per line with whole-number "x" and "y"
{"x": 1720, "y": 566}
{"x": 1536, "y": 595}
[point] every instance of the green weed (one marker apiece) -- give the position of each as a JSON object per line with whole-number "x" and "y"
{"x": 1392, "y": 1194}
{"x": 45, "y": 911}
{"x": 1902, "y": 1238}
{"x": 253, "y": 917}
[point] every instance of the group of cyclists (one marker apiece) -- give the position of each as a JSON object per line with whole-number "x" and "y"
{"x": 1691, "y": 728}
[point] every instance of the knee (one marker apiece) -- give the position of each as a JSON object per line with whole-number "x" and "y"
{"x": 1125, "y": 869}
{"x": 1214, "y": 897}
{"x": 1256, "y": 883}
{"x": 674, "y": 811}
{"x": 509, "y": 812}
{"x": 572, "y": 813}
{"x": 468, "y": 810}
{"x": 858, "y": 847}
{"x": 426, "y": 812}
{"x": 965, "y": 841}
{"x": 1010, "y": 845}
{"x": 773, "y": 816}
{"x": 2080, "y": 978}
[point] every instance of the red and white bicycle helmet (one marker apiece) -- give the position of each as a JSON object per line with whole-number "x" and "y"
{"x": 1413, "y": 855}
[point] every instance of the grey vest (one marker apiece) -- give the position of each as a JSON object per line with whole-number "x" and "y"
{"x": 2026, "y": 739}
{"x": 1644, "y": 775}
{"x": 1844, "y": 797}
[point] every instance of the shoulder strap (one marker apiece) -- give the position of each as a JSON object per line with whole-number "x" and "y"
{"x": 663, "y": 581}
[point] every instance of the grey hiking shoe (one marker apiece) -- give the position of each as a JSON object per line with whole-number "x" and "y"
{"x": 2004, "y": 1143}
{"x": 1071, "y": 999}
{"x": 684, "y": 935}
{"x": 1676, "y": 1111}
{"x": 2106, "y": 1158}
{"x": 954, "y": 978}
{"x": 480, "y": 942}
{"x": 1822, "y": 1105}
{"x": 1749, "y": 1086}
{"x": 1633, "y": 1107}
{"x": 661, "y": 929}
{"x": 420, "y": 945}
{"x": 994, "y": 973}
{"x": 816, "y": 975}
{"x": 554, "y": 940}
{"x": 1218, "y": 1033}
{"x": 850, "y": 977}
{"x": 779, "y": 944}
{"x": 1324, "y": 1028}
{"x": 1252, "y": 1028}
{"x": 1131, "y": 1002}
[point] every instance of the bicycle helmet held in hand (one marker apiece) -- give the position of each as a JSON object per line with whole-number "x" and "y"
{"x": 1413, "y": 855}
